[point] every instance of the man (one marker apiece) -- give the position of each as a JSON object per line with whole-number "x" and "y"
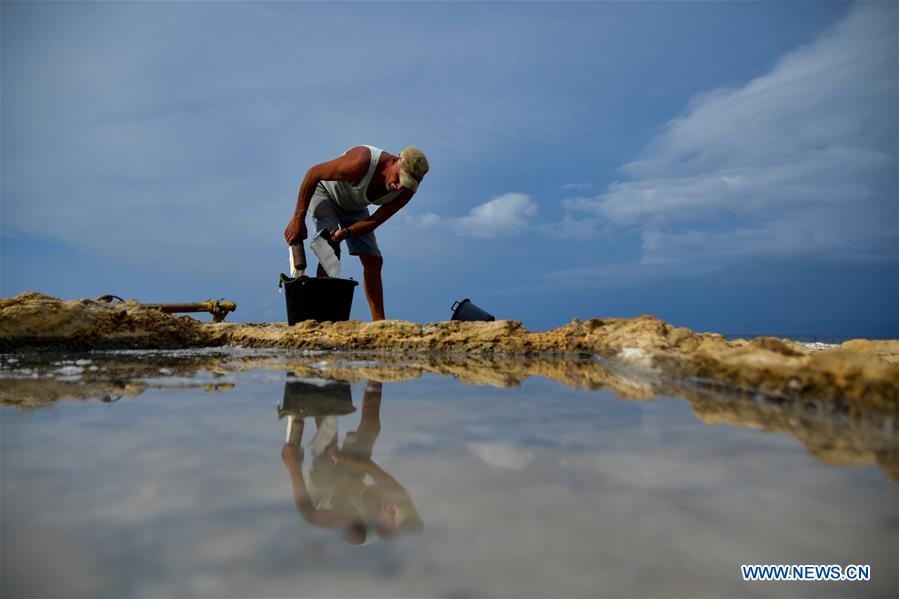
{"x": 338, "y": 194}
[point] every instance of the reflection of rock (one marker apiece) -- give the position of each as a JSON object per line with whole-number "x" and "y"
{"x": 29, "y": 393}
{"x": 865, "y": 372}
{"x": 830, "y": 433}
{"x": 36, "y": 379}
{"x": 889, "y": 463}
{"x": 493, "y": 370}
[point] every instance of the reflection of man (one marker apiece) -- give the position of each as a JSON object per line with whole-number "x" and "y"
{"x": 343, "y": 489}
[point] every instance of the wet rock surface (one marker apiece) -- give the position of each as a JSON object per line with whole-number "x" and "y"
{"x": 862, "y": 373}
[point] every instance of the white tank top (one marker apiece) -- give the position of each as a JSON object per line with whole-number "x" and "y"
{"x": 350, "y": 197}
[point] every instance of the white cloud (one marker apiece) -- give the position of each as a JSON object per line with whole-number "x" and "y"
{"x": 505, "y": 216}
{"x": 801, "y": 160}
{"x": 424, "y": 220}
{"x": 580, "y": 228}
{"x": 569, "y": 186}
{"x": 116, "y": 136}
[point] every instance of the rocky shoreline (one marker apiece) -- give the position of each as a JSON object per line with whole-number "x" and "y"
{"x": 859, "y": 373}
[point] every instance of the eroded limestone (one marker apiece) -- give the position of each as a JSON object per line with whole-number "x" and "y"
{"x": 863, "y": 372}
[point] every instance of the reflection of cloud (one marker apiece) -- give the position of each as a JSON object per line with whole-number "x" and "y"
{"x": 194, "y": 500}
{"x": 801, "y": 160}
{"x": 501, "y": 455}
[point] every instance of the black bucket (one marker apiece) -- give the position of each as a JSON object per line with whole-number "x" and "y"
{"x": 321, "y": 299}
{"x": 465, "y": 310}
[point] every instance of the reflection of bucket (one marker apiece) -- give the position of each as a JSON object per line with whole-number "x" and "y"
{"x": 313, "y": 399}
{"x": 465, "y": 310}
{"x": 321, "y": 299}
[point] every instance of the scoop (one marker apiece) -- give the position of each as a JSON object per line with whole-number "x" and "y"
{"x": 327, "y": 252}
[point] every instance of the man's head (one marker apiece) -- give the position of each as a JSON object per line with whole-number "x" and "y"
{"x": 355, "y": 533}
{"x": 413, "y": 167}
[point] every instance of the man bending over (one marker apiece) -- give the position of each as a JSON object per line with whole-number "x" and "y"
{"x": 338, "y": 194}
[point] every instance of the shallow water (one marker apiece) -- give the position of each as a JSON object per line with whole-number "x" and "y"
{"x": 167, "y": 474}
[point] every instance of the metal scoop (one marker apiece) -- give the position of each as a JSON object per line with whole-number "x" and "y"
{"x": 327, "y": 252}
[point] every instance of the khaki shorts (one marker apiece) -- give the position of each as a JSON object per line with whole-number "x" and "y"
{"x": 326, "y": 214}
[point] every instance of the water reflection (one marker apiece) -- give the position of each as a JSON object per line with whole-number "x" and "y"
{"x": 834, "y": 432}
{"x": 540, "y": 490}
{"x": 340, "y": 487}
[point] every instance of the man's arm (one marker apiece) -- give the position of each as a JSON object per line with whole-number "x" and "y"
{"x": 377, "y": 219}
{"x": 292, "y": 456}
{"x": 352, "y": 166}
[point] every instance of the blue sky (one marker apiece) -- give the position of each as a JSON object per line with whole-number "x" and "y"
{"x": 726, "y": 166}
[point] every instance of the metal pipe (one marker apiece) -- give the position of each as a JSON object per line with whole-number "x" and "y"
{"x": 219, "y": 310}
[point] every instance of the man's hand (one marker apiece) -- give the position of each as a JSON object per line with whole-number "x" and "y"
{"x": 341, "y": 457}
{"x": 339, "y": 235}
{"x": 295, "y": 231}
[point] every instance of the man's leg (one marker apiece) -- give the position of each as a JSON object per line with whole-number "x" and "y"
{"x": 374, "y": 289}
{"x": 361, "y": 442}
{"x": 370, "y": 424}
{"x": 366, "y": 247}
